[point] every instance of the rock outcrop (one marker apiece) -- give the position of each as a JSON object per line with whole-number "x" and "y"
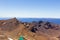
{"x": 9, "y": 25}
{"x": 40, "y": 30}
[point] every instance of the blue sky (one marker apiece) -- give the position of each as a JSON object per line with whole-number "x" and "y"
{"x": 30, "y": 8}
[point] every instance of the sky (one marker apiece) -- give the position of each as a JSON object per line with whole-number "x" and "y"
{"x": 30, "y": 8}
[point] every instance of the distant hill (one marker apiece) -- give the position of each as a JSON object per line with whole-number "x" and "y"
{"x": 54, "y": 20}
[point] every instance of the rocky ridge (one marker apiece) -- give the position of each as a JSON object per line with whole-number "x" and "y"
{"x": 40, "y": 30}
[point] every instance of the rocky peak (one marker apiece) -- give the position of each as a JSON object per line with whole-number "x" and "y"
{"x": 9, "y": 24}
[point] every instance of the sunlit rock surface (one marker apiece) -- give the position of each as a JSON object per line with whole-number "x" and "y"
{"x": 12, "y": 29}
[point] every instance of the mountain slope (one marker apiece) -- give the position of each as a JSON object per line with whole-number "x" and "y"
{"x": 36, "y": 30}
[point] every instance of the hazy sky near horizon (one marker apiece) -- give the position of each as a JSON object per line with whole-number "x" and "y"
{"x": 30, "y": 8}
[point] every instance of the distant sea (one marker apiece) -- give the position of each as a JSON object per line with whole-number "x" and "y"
{"x": 53, "y": 20}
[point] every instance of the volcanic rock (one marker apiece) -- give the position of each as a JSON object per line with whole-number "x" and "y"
{"x": 9, "y": 25}
{"x": 40, "y": 30}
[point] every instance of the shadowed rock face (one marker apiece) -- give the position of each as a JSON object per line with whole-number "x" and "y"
{"x": 45, "y": 25}
{"x": 40, "y": 30}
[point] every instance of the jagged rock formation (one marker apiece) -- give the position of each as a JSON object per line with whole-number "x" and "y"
{"x": 9, "y": 25}
{"x": 40, "y": 30}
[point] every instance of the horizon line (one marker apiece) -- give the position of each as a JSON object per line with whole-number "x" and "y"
{"x": 32, "y": 17}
